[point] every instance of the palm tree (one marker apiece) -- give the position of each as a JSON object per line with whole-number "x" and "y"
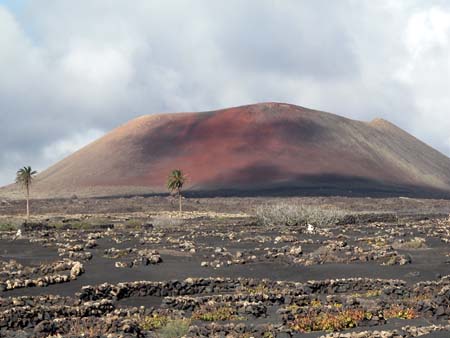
{"x": 24, "y": 177}
{"x": 175, "y": 183}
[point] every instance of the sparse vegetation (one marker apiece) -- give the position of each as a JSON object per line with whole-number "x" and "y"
{"x": 24, "y": 177}
{"x": 174, "y": 328}
{"x": 260, "y": 289}
{"x": 84, "y": 223}
{"x": 81, "y": 327}
{"x": 164, "y": 221}
{"x": 368, "y": 294}
{"x": 338, "y": 319}
{"x": 413, "y": 243}
{"x": 315, "y": 303}
{"x": 399, "y": 312}
{"x": 132, "y": 224}
{"x": 298, "y": 214}
{"x": 153, "y": 322}
{"x": 175, "y": 183}
{"x": 328, "y": 321}
{"x": 215, "y": 274}
{"x": 8, "y": 226}
{"x": 212, "y": 314}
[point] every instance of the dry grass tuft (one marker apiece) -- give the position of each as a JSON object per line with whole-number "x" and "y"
{"x": 298, "y": 214}
{"x": 164, "y": 221}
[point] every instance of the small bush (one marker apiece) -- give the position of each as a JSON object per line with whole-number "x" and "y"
{"x": 298, "y": 214}
{"x": 10, "y": 224}
{"x": 327, "y": 321}
{"x": 368, "y": 294}
{"x": 210, "y": 314}
{"x": 153, "y": 322}
{"x": 8, "y": 227}
{"x": 174, "y": 329}
{"x": 339, "y": 319}
{"x": 260, "y": 289}
{"x": 83, "y": 327}
{"x": 399, "y": 312}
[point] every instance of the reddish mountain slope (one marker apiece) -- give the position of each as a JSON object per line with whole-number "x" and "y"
{"x": 262, "y": 147}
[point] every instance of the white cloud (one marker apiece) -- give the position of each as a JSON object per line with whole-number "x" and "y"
{"x": 426, "y": 72}
{"x": 62, "y": 148}
{"x": 427, "y": 30}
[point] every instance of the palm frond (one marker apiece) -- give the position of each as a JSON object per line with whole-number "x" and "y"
{"x": 25, "y": 175}
{"x": 176, "y": 180}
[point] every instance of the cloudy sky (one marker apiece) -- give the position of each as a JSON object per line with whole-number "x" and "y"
{"x": 72, "y": 70}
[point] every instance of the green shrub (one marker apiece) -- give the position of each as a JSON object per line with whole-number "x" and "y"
{"x": 368, "y": 294}
{"x": 399, "y": 312}
{"x": 175, "y": 328}
{"x": 8, "y": 227}
{"x": 153, "y": 322}
{"x": 257, "y": 290}
{"x": 298, "y": 214}
{"x": 329, "y": 321}
{"x": 211, "y": 314}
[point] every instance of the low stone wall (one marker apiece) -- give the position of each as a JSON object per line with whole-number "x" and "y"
{"x": 96, "y": 305}
{"x": 406, "y": 332}
{"x": 244, "y": 306}
{"x": 31, "y": 314}
{"x": 29, "y": 277}
{"x": 193, "y": 286}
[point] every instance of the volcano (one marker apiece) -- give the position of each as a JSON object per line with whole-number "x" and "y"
{"x": 267, "y": 148}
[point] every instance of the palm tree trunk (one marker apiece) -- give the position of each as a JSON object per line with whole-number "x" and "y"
{"x": 179, "y": 199}
{"x": 28, "y": 204}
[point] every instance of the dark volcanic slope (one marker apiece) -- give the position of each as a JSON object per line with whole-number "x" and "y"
{"x": 263, "y": 147}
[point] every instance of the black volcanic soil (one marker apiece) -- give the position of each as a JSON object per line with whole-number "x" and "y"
{"x": 402, "y": 255}
{"x": 428, "y": 264}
